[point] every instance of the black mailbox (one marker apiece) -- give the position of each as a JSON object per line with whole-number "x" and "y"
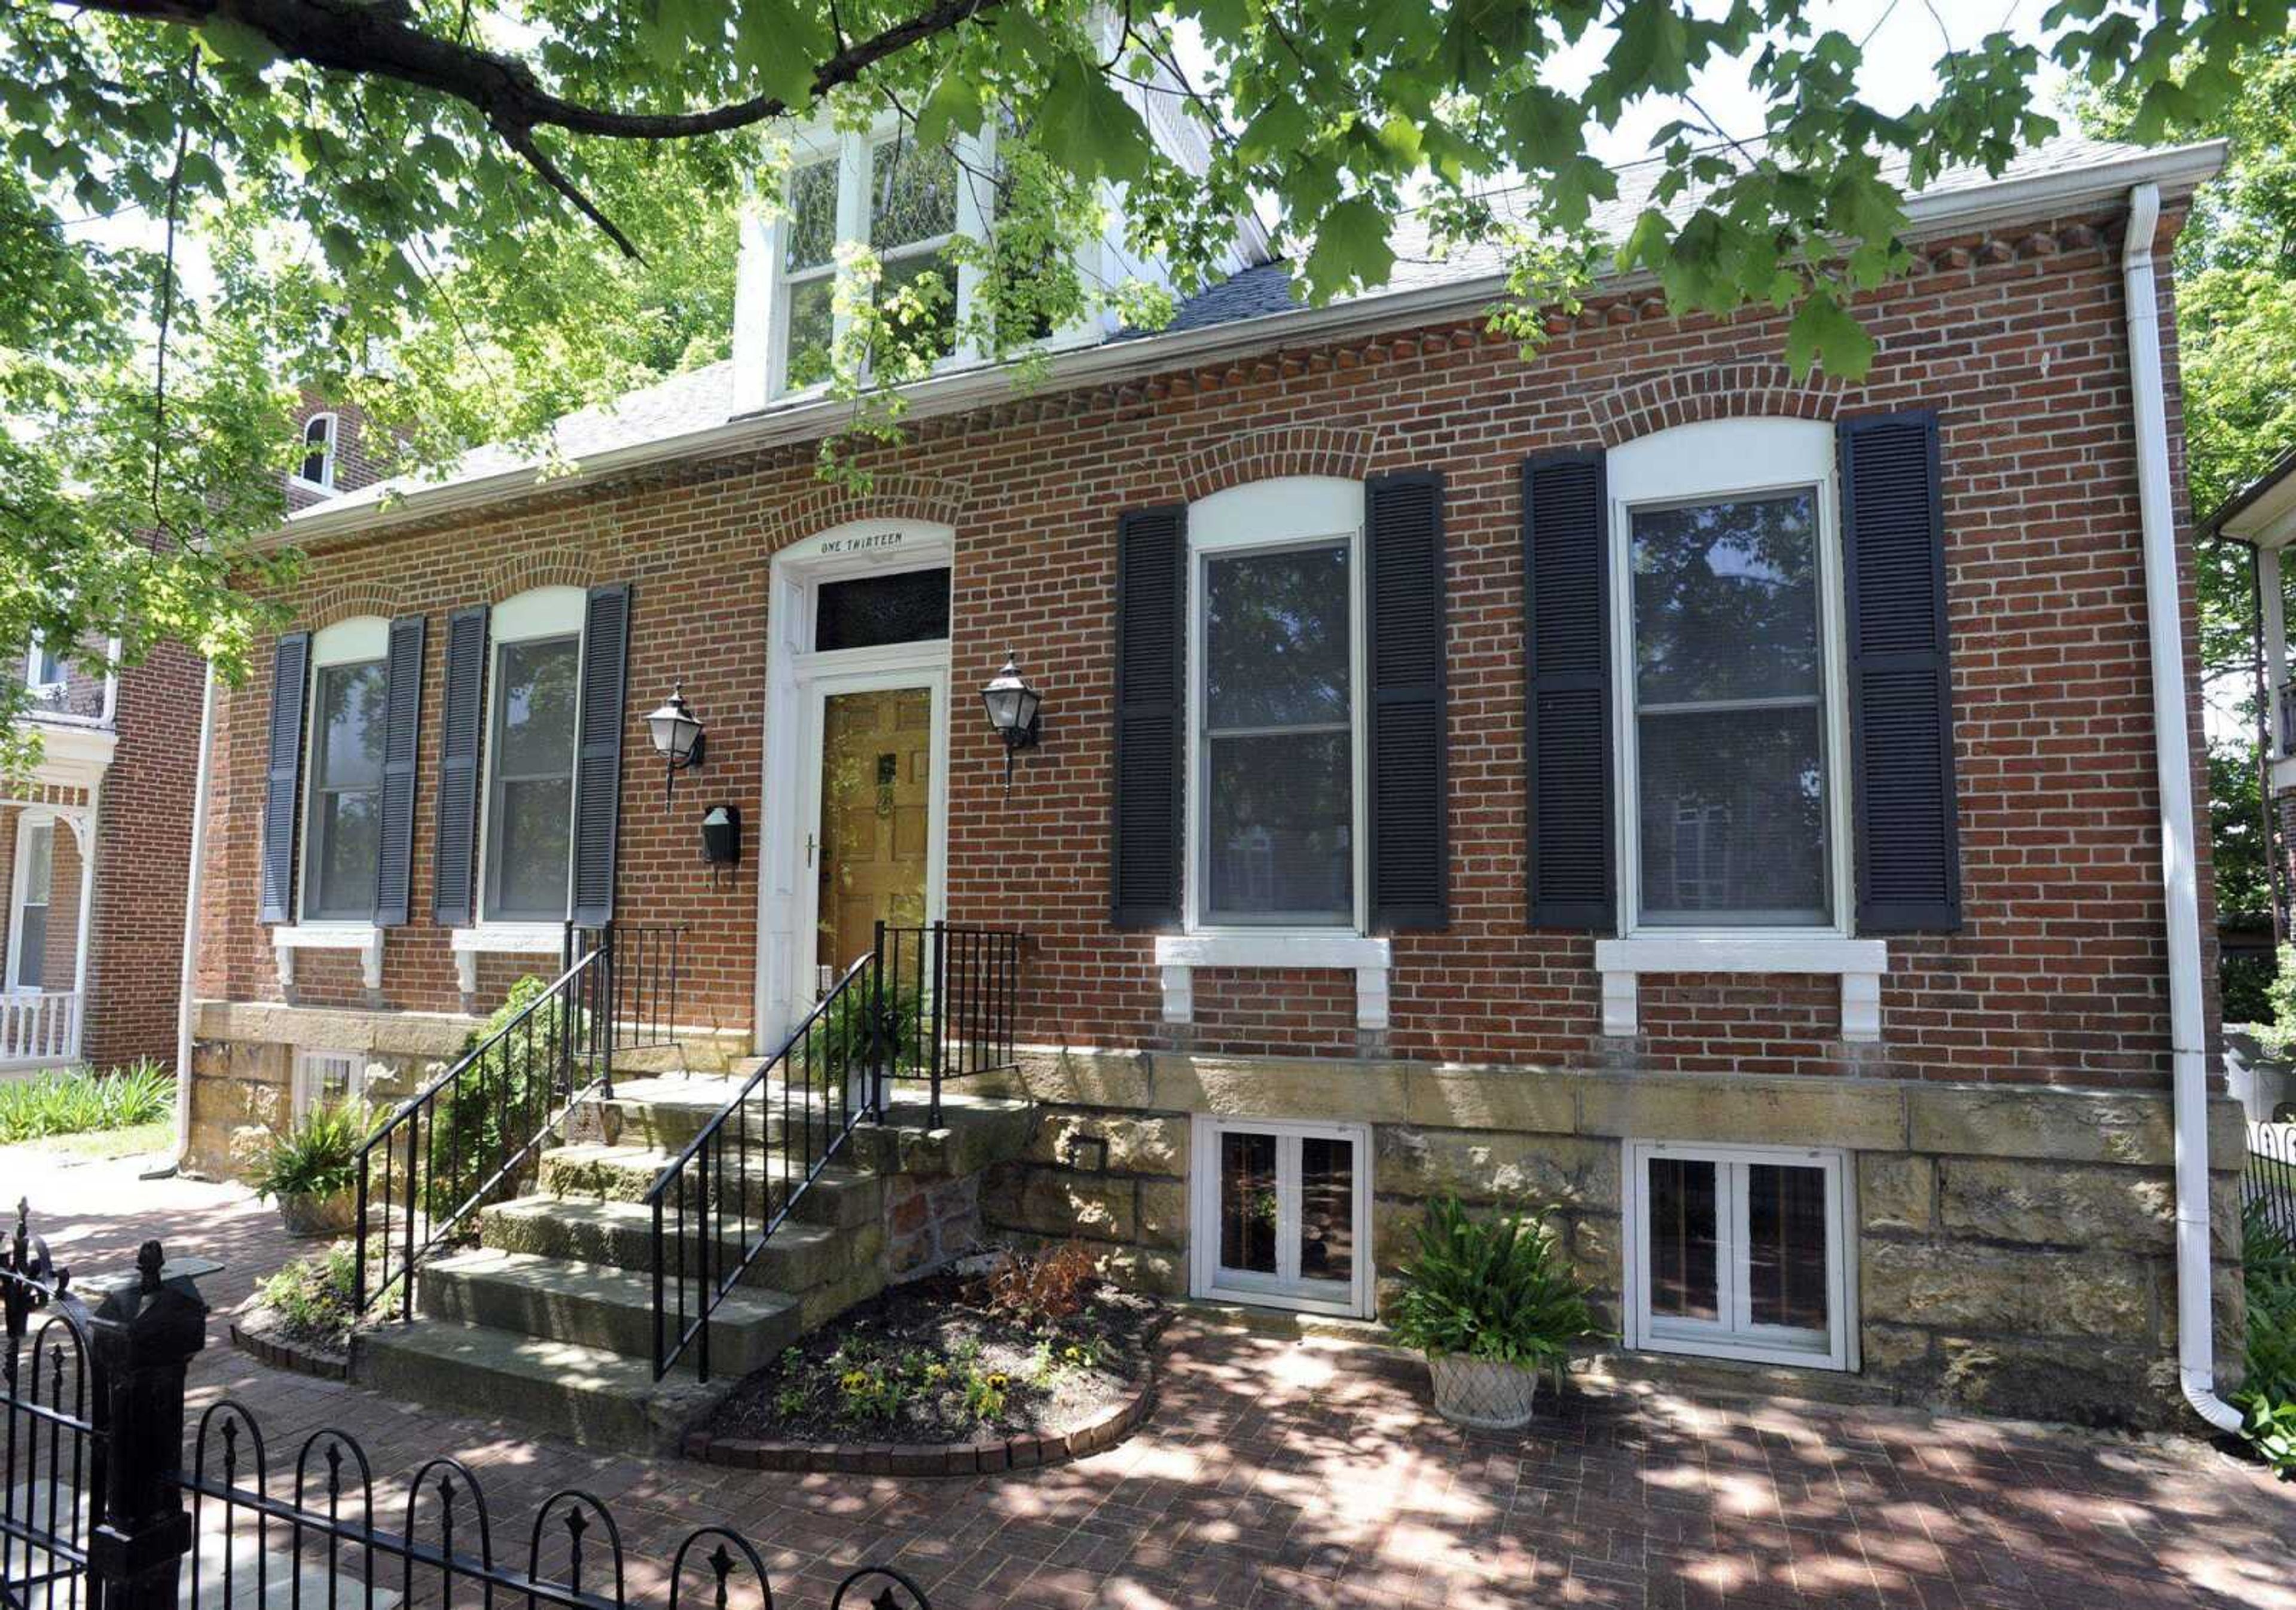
{"x": 721, "y": 836}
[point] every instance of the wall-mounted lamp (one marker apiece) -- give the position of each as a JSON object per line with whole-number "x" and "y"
{"x": 677, "y": 735}
{"x": 1012, "y": 705}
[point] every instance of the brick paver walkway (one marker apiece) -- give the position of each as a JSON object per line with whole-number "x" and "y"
{"x": 1276, "y": 1473}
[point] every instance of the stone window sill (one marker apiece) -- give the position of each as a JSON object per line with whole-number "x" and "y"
{"x": 1178, "y": 955}
{"x": 502, "y": 939}
{"x": 363, "y": 937}
{"x": 1860, "y": 963}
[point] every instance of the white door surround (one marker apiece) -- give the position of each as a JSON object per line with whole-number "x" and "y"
{"x": 798, "y": 678}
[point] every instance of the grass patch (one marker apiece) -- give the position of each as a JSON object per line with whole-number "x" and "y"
{"x": 74, "y": 1101}
{"x": 104, "y": 1145}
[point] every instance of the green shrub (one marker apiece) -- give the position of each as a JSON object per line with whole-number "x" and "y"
{"x": 2278, "y": 1036}
{"x": 313, "y": 1297}
{"x": 71, "y": 1101}
{"x": 1491, "y": 1289}
{"x": 2267, "y": 1391}
{"x": 495, "y": 1109}
{"x": 317, "y": 1158}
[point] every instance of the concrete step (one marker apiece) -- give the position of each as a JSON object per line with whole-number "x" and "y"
{"x": 592, "y": 1396}
{"x": 975, "y": 1130}
{"x": 593, "y": 1306}
{"x": 669, "y": 1111}
{"x": 797, "y": 1258}
{"x": 838, "y": 1196}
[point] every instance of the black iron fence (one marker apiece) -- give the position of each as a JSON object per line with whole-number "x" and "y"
{"x": 96, "y": 1511}
{"x": 949, "y": 993}
{"x": 2268, "y": 1184}
{"x": 474, "y": 1135}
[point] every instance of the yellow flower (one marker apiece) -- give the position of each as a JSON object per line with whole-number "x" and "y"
{"x": 998, "y": 1381}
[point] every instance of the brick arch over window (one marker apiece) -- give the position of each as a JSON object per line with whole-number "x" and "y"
{"x": 550, "y": 568}
{"x": 891, "y": 497}
{"x": 1714, "y": 391}
{"x": 342, "y": 603}
{"x": 1285, "y": 450}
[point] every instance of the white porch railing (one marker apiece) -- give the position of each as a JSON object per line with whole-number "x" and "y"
{"x": 39, "y": 1028}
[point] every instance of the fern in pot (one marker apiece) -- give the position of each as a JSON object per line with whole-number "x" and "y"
{"x": 313, "y": 1170}
{"x": 1491, "y": 1303}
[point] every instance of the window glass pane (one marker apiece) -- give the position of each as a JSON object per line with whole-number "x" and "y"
{"x": 1276, "y": 639}
{"x": 812, "y": 329}
{"x": 348, "y": 848}
{"x": 351, "y": 723}
{"x": 47, "y": 666}
{"x": 911, "y": 607}
{"x": 929, "y": 323}
{"x": 1278, "y": 817}
{"x": 810, "y": 237}
{"x": 1327, "y": 1209}
{"x": 39, "y": 863}
{"x": 1684, "y": 1243}
{"x": 1733, "y": 807}
{"x": 1785, "y": 1246}
{"x": 32, "y": 947}
{"x": 912, "y": 192}
{"x": 535, "y": 707}
{"x": 1248, "y": 1205}
{"x": 1725, "y": 599}
{"x": 531, "y": 846}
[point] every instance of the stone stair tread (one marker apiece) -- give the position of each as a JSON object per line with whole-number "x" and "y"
{"x": 570, "y": 1365}
{"x": 764, "y": 1160}
{"x": 611, "y": 1214}
{"x": 708, "y": 1091}
{"x": 600, "y": 1282}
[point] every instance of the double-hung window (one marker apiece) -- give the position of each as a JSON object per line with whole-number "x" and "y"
{"x": 530, "y": 749}
{"x": 28, "y": 935}
{"x": 317, "y": 468}
{"x": 342, "y": 833}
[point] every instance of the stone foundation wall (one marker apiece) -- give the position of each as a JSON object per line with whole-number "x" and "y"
{"x": 2014, "y": 1245}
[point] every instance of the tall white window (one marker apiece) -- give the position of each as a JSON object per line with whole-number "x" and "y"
{"x": 1275, "y": 802}
{"x": 28, "y": 935}
{"x": 342, "y": 830}
{"x": 533, "y": 704}
{"x": 1730, "y": 694}
{"x": 1738, "y": 1252}
{"x": 317, "y": 468}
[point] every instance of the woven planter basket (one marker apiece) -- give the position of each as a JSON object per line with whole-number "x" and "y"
{"x": 1483, "y": 1394}
{"x": 307, "y": 1214}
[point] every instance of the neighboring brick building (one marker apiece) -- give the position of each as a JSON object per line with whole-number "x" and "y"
{"x": 1361, "y": 859}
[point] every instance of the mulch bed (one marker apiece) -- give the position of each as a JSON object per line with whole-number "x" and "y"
{"x": 930, "y": 1378}
{"x": 259, "y": 1329}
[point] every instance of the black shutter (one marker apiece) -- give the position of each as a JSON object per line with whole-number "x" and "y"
{"x": 282, "y": 788}
{"x": 1409, "y": 818}
{"x": 1900, "y": 685}
{"x": 1152, "y": 641}
{"x": 1567, "y": 653}
{"x": 598, "y": 762}
{"x": 454, "y": 857}
{"x": 403, "y": 706}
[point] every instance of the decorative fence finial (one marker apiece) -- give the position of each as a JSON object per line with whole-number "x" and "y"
{"x": 150, "y": 1260}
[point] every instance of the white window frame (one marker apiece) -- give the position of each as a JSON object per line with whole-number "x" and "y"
{"x": 1207, "y": 1281}
{"x": 28, "y": 824}
{"x": 527, "y": 616}
{"x": 1708, "y": 461}
{"x": 1737, "y": 1337}
{"x": 361, "y": 640}
{"x": 854, "y": 153}
{"x": 308, "y": 1074}
{"x": 37, "y": 651}
{"x": 326, "y": 481}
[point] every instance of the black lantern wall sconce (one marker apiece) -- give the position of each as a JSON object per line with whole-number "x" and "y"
{"x": 1013, "y": 710}
{"x": 676, "y": 736}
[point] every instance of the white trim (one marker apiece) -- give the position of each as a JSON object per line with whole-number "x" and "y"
{"x": 1368, "y": 958}
{"x": 364, "y": 937}
{"x": 19, "y": 875}
{"x": 538, "y": 612}
{"x": 501, "y": 939}
{"x": 1206, "y": 1278}
{"x": 1859, "y": 962}
{"x": 803, "y": 417}
{"x": 72, "y": 757}
{"x": 1735, "y": 1336}
{"x": 334, "y": 434}
{"x": 308, "y": 1074}
{"x": 361, "y": 637}
{"x": 867, "y": 547}
{"x": 2272, "y": 606}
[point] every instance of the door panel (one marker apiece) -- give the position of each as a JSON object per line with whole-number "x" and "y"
{"x": 875, "y": 834}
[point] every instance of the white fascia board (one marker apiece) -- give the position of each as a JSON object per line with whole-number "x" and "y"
{"x": 958, "y": 390}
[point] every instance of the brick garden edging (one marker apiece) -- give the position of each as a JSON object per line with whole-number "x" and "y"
{"x": 931, "y": 1459}
{"x": 291, "y": 1356}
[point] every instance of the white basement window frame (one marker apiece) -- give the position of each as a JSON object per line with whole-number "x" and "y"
{"x": 1712, "y": 462}
{"x": 1287, "y": 1287}
{"x": 328, "y": 1076}
{"x": 348, "y": 647}
{"x": 1286, "y": 514}
{"x": 1735, "y": 1334}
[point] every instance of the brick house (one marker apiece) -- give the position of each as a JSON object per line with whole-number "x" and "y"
{"x": 1727, "y": 809}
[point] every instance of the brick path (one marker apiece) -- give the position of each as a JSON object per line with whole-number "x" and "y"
{"x": 1275, "y": 1473}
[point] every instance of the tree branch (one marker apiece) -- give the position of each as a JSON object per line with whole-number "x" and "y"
{"x": 522, "y": 141}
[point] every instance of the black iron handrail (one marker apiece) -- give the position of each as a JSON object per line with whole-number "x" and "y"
{"x": 950, "y": 997}
{"x": 475, "y": 1134}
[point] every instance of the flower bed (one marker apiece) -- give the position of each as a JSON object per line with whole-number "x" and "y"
{"x": 1036, "y": 1362}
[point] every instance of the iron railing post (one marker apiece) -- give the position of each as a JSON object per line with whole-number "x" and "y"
{"x": 879, "y": 1028}
{"x": 143, "y": 1337}
{"x": 940, "y": 1011}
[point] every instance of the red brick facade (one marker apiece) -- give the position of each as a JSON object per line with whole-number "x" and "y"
{"x": 2018, "y": 343}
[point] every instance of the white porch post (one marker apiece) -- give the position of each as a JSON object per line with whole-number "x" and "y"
{"x": 83, "y": 827}
{"x": 2276, "y": 644}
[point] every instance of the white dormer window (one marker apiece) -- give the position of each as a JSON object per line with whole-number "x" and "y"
{"x": 907, "y": 202}
{"x": 318, "y": 469}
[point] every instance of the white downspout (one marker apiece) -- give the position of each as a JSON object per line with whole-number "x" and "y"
{"x": 2172, "y": 745}
{"x": 187, "y": 979}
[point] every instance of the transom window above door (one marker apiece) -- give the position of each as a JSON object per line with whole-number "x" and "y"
{"x": 871, "y": 611}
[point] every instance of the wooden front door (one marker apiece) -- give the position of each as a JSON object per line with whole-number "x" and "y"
{"x": 874, "y": 838}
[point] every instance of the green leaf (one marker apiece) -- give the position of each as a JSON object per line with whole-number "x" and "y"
{"x": 221, "y": 39}
{"x": 953, "y": 107}
{"x": 1089, "y": 127}
{"x": 1351, "y": 249}
{"x": 784, "y": 42}
{"x": 1823, "y": 333}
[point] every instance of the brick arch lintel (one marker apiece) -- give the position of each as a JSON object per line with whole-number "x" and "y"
{"x": 1344, "y": 451}
{"x": 1711, "y": 391}
{"x": 351, "y": 601}
{"x": 887, "y": 496}
{"x": 546, "y": 568}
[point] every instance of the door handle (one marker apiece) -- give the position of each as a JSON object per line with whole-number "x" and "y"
{"x": 808, "y": 849}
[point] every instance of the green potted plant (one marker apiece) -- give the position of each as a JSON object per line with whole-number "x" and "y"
{"x": 1491, "y": 1303}
{"x": 313, "y": 1170}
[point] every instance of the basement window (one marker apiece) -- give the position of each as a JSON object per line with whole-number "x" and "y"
{"x": 328, "y": 1079}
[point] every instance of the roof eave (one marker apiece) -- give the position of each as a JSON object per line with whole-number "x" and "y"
{"x": 2176, "y": 169}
